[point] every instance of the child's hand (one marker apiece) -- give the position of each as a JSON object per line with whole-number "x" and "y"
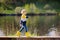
{"x": 20, "y": 25}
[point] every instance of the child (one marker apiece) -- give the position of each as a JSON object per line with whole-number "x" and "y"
{"x": 23, "y": 23}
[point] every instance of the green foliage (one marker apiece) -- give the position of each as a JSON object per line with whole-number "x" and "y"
{"x": 1, "y": 9}
{"x": 8, "y": 11}
{"x": 18, "y": 9}
{"x": 34, "y": 6}
{"x": 27, "y": 7}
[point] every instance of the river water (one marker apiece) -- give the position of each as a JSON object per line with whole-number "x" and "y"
{"x": 37, "y": 25}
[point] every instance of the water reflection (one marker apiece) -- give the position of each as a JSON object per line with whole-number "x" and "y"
{"x": 2, "y": 33}
{"x": 53, "y": 32}
{"x": 36, "y": 24}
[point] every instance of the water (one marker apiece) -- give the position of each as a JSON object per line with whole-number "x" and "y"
{"x": 2, "y": 33}
{"x": 35, "y": 24}
{"x": 53, "y": 32}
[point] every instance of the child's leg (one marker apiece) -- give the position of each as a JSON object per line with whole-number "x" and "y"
{"x": 19, "y": 32}
{"x": 21, "y": 28}
{"x": 26, "y": 28}
{"x": 27, "y": 33}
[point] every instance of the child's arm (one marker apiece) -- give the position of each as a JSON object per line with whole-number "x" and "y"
{"x": 20, "y": 22}
{"x": 26, "y": 16}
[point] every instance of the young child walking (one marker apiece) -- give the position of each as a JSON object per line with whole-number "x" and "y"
{"x": 23, "y": 23}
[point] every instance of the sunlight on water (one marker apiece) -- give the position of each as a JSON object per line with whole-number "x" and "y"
{"x": 1, "y": 33}
{"x": 53, "y": 32}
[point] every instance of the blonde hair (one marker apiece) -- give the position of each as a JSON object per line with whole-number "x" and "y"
{"x": 23, "y": 10}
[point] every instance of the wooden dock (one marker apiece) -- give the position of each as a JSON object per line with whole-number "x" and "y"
{"x": 30, "y": 38}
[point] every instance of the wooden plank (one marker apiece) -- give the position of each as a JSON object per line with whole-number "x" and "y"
{"x": 30, "y": 38}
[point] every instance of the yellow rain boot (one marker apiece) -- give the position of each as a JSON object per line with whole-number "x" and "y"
{"x": 27, "y": 34}
{"x": 18, "y": 33}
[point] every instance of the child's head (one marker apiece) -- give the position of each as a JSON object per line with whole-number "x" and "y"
{"x": 23, "y": 11}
